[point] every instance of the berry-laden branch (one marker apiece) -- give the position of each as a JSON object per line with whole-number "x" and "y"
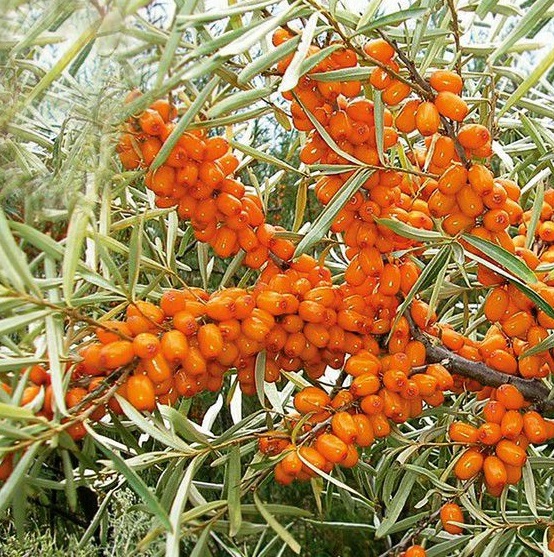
{"x": 532, "y": 390}
{"x": 426, "y": 92}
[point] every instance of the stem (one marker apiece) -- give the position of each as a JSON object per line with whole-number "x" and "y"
{"x": 533, "y": 390}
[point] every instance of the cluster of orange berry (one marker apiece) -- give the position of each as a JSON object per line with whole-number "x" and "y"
{"x": 498, "y": 446}
{"x": 384, "y": 387}
{"x": 197, "y": 178}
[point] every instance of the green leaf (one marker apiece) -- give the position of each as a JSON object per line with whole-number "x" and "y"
{"x": 322, "y": 223}
{"x": 408, "y": 231}
{"x": 397, "y": 504}
{"x": 233, "y": 483}
{"x": 524, "y": 26}
{"x": 267, "y": 60}
{"x": 502, "y": 257}
{"x": 379, "y": 114}
{"x": 76, "y": 235}
{"x": 88, "y": 35}
{"x": 133, "y": 479}
{"x": 390, "y": 19}
{"x": 300, "y": 205}
{"x": 150, "y": 428}
{"x": 239, "y": 100}
{"x": 10, "y": 324}
{"x": 264, "y": 29}
{"x": 530, "y": 489}
{"x": 265, "y": 157}
{"x": 199, "y": 549}
{"x": 259, "y": 376}
{"x": 13, "y": 483}
{"x": 135, "y": 255}
{"x": 174, "y": 535}
{"x": 183, "y": 425}
{"x": 184, "y": 123}
{"x": 292, "y": 73}
{"x": 535, "y": 215}
{"x": 440, "y": 260}
{"x": 14, "y": 266}
{"x": 283, "y": 533}
{"x": 541, "y": 70}
{"x": 359, "y": 73}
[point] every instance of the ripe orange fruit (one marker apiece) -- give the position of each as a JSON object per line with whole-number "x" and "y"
{"x": 473, "y": 136}
{"x": 495, "y": 472}
{"x": 379, "y": 49}
{"x": 451, "y": 106}
{"x": 331, "y": 447}
{"x": 510, "y": 397}
{"x": 311, "y": 399}
{"x": 451, "y": 512}
{"x": 427, "y": 119}
{"x": 445, "y": 80}
{"x": 116, "y": 354}
{"x": 509, "y": 453}
{"x": 469, "y": 464}
{"x": 463, "y": 433}
{"x": 140, "y": 392}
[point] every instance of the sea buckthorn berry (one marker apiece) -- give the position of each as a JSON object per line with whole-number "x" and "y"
{"x": 415, "y": 551}
{"x": 534, "y": 427}
{"x": 509, "y": 453}
{"x": 331, "y": 447}
{"x": 146, "y": 345}
{"x": 379, "y": 49}
{"x": 449, "y": 513}
{"x": 395, "y": 93}
{"x": 469, "y": 464}
{"x": 511, "y": 424}
{"x": 445, "y": 80}
{"x": 489, "y": 433}
{"x": 116, "y": 354}
{"x": 510, "y": 397}
{"x": 463, "y": 433}
{"x": 365, "y": 384}
{"x": 311, "y": 399}
{"x": 451, "y": 106}
{"x": 405, "y": 120}
{"x": 494, "y": 412}
{"x": 473, "y": 136}
{"x": 427, "y": 119}
{"x": 140, "y": 392}
{"x": 495, "y": 472}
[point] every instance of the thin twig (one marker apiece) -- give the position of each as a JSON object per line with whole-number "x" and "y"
{"x": 456, "y": 32}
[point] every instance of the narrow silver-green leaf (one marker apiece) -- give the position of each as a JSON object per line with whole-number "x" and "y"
{"x": 283, "y": 533}
{"x": 184, "y": 122}
{"x": 233, "y": 483}
{"x": 322, "y": 223}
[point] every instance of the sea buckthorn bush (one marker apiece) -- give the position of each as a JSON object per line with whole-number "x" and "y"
{"x": 283, "y": 271}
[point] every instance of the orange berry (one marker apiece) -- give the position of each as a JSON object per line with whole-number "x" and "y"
{"x": 463, "y": 432}
{"x": 445, "y": 80}
{"x": 495, "y": 472}
{"x": 146, "y": 345}
{"x": 451, "y": 106}
{"x": 469, "y": 464}
{"x": 509, "y": 453}
{"x": 473, "y": 136}
{"x": 331, "y": 447}
{"x": 427, "y": 119}
{"x": 510, "y": 397}
{"x": 116, "y": 354}
{"x": 311, "y": 399}
{"x": 379, "y": 49}
{"x": 489, "y": 433}
{"x": 140, "y": 392}
{"x": 534, "y": 427}
{"x": 451, "y": 512}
